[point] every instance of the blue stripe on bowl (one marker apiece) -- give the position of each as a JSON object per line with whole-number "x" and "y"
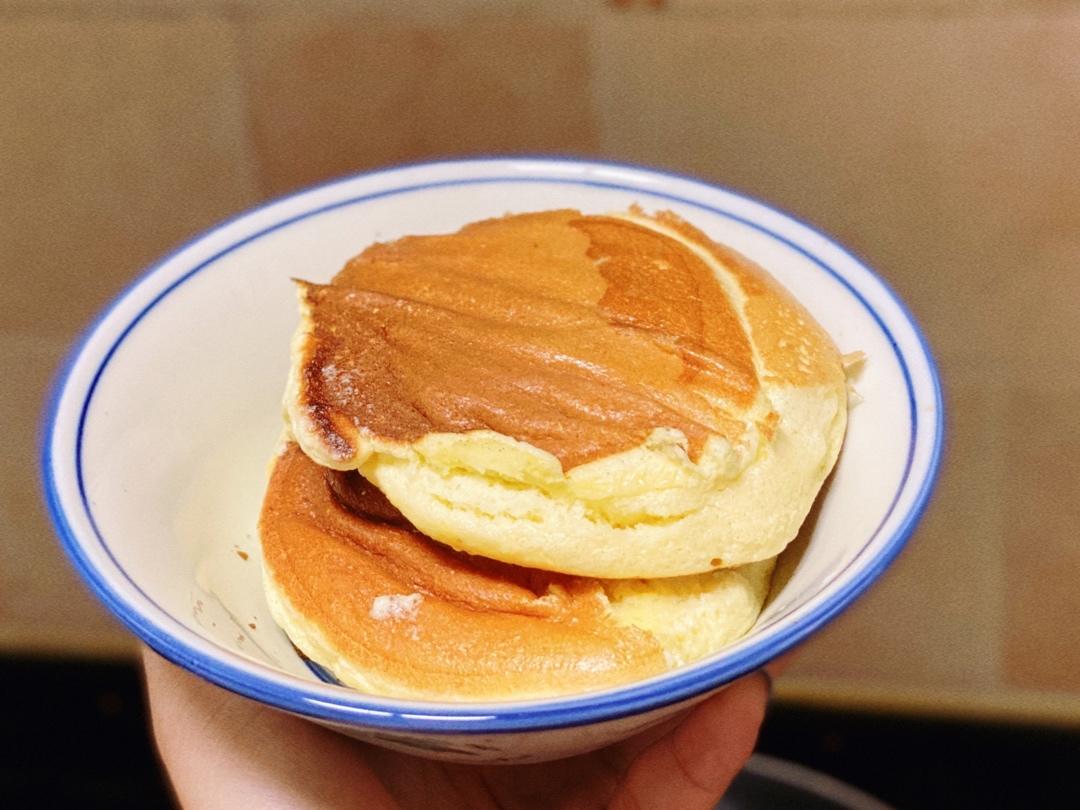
{"x": 350, "y": 707}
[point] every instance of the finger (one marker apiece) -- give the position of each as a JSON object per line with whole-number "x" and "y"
{"x": 620, "y": 756}
{"x": 694, "y": 764}
{"x": 777, "y": 666}
{"x": 218, "y": 746}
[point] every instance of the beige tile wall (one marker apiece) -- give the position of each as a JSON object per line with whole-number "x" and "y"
{"x": 1041, "y": 545}
{"x": 118, "y": 139}
{"x": 938, "y": 138}
{"x": 332, "y": 95}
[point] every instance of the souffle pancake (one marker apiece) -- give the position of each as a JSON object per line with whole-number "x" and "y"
{"x": 389, "y": 611}
{"x": 550, "y": 453}
{"x": 598, "y": 395}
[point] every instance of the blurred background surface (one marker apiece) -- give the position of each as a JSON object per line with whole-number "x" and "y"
{"x": 938, "y": 139}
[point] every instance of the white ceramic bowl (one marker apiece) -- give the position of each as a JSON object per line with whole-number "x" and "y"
{"x": 163, "y": 420}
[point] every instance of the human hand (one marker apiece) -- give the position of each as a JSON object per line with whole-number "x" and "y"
{"x": 225, "y": 751}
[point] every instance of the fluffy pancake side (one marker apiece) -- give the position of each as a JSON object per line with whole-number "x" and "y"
{"x": 390, "y": 612}
{"x": 604, "y": 396}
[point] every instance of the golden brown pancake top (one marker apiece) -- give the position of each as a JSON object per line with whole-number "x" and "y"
{"x": 333, "y": 545}
{"x": 577, "y": 334}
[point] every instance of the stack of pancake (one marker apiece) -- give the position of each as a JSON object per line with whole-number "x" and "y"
{"x": 549, "y": 453}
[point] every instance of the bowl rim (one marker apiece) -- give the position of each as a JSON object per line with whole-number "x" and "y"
{"x": 185, "y": 647}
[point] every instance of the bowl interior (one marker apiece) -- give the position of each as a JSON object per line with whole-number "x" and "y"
{"x": 164, "y": 425}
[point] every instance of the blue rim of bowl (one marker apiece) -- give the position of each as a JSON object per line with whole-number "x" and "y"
{"x": 356, "y": 709}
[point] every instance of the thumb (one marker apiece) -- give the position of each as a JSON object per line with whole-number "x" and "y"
{"x": 693, "y": 765}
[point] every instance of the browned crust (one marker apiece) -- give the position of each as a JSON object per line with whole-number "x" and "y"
{"x": 793, "y": 347}
{"x": 482, "y": 628}
{"x": 577, "y": 334}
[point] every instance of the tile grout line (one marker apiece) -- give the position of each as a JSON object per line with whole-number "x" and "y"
{"x": 240, "y": 89}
